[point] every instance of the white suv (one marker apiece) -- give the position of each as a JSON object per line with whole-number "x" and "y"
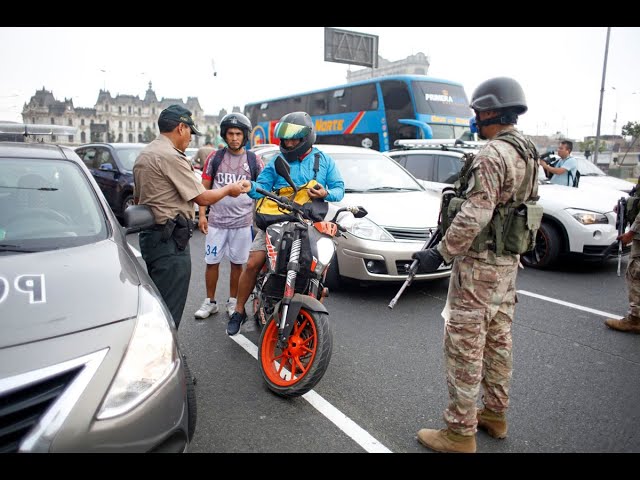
{"x": 576, "y": 222}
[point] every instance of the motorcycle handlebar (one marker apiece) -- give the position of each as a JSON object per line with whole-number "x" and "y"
{"x": 281, "y": 201}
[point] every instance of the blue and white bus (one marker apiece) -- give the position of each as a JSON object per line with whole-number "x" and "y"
{"x": 372, "y": 113}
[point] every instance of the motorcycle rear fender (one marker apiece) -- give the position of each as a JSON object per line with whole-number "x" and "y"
{"x": 297, "y": 302}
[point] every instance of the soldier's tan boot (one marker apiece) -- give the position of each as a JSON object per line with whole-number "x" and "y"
{"x": 494, "y": 423}
{"x": 447, "y": 441}
{"x": 630, "y": 323}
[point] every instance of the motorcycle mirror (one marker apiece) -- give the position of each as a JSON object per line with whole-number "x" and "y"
{"x": 283, "y": 169}
{"x": 360, "y": 213}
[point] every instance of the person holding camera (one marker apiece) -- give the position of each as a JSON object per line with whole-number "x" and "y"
{"x": 564, "y": 170}
{"x": 164, "y": 181}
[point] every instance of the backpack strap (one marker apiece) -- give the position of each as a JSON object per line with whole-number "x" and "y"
{"x": 253, "y": 164}
{"x": 526, "y": 151}
{"x": 215, "y": 162}
{"x": 316, "y": 165}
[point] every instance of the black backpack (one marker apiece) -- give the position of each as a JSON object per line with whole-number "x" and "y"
{"x": 576, "y": 179}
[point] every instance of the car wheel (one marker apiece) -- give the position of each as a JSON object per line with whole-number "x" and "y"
{"x": 127, "y": 202}
{"x": 191, "y": 399}
{"x": 547, "y": 249}
{"x": 332, "y": 280}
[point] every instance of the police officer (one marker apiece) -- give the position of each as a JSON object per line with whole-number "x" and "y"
{"x": 201, "y": 155}
{"x": 164, "y": 180}
{"x": 482, "y": 292}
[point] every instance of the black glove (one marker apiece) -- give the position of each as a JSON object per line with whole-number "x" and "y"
{"x": 428, "y": 260}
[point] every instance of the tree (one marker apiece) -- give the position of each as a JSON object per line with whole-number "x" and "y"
{"x": 591, "y": 146}
{"x": 630, "y": 129}
{"x": 148, "y": 135}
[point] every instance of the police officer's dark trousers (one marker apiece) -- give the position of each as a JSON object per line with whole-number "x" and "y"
{"x": 170, "y": 269}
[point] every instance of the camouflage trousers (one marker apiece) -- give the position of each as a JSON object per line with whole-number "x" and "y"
{"x": 633, "y": 286}
{"x": 477, "y": 339}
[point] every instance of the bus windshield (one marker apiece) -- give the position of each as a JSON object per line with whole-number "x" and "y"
{"x": 434, "y": 98}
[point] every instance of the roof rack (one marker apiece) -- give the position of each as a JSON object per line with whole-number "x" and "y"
{"x": 30, "y": 129}
{"x": 438, "y": 142}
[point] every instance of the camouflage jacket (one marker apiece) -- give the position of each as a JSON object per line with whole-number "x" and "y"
{"x": 497, "y": 173}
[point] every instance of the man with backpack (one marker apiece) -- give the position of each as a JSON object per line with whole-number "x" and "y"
{"x": 310, "y": 167}
{"x": 229, "y": 225}
{"x": 565, "y": 172}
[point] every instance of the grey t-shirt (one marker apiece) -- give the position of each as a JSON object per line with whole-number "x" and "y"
{"x": 230, "y": 212}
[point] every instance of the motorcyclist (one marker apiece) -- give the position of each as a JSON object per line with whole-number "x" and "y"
{"x": 296, "y": 136}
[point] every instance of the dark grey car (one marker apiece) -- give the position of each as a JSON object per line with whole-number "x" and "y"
{"x": 111, "y": 164}
{"x": 89, "y": 357}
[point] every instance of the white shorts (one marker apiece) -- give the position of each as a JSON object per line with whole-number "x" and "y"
{"x": 231, "y": 242}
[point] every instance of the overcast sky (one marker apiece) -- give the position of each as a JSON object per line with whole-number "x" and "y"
{"x": 560, "y": 69}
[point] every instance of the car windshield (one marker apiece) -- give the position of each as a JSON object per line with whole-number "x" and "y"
{"x": 371, "y": 172}
{"x": 586, "y": 168}
{"x": 47, "y": 205}
{"x": 128, "y": 157}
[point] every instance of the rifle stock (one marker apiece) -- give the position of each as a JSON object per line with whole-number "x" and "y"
{"x": 434, "y": 240}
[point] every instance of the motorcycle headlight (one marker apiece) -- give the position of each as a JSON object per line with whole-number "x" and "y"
{"x": 326, "y": 248}
{"x": 150, "y": 358}
{"x": 587, "y": 217}
{"x": 367, "y": 230}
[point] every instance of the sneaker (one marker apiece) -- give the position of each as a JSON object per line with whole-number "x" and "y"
{"x": 231, "y": 306}
{"x": 235, "y": 322}
{"x": 208, "y": 307}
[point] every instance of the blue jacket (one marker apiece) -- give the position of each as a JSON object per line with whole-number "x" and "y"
{"x": 302, "y": 172}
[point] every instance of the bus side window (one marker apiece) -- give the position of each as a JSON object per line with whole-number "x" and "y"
{"x": 318, "y": 105}
{"x": 397, "y": 99}
{"x": 364, "y": 97}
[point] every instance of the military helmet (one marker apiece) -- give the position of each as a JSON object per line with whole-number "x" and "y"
{"x": 499, "y": 93}
{"x": 236, "y": 120}
{"x": 295, "y": 125}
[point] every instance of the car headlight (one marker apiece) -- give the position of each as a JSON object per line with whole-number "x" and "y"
{"x": 150, "y": 358}
{"x": 367, "y": 230}
{"x": 587, "y": 217}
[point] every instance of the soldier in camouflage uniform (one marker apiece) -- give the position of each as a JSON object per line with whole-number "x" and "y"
{"x": 631, "y": 321}
{"x": 482, "y": 291}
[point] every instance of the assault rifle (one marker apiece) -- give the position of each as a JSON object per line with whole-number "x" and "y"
{"x": 413, "y": 269}
{"x": 621, "y": 211}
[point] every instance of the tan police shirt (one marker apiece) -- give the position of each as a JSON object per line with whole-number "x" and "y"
{"x": 202, "y": 154}
{"x": 164, "y": 180}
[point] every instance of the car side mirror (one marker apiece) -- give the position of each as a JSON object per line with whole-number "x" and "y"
{"x": 107, "y": 167}
{"x": 138, "y": 217}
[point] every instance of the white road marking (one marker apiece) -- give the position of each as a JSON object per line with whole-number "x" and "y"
{"x": 348, "y": 426}
{"x": 339, "y": 419}
{"x": 567, "y": 304}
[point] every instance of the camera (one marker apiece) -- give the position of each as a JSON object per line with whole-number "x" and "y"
{"x": 551, "y": 158}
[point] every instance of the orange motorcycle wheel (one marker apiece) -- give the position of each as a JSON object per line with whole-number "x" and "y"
{"x": 294, "y": 370}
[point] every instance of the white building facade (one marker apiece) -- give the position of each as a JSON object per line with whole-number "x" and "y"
{"x": 123, "y": 118}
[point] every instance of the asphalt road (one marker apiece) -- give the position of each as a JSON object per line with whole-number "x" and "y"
{"x": 575, "y": 388}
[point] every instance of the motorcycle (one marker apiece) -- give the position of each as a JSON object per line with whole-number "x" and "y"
{"x": 296, "y": 339}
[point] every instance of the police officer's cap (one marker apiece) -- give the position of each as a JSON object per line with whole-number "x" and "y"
{"x": 179, "y": 114}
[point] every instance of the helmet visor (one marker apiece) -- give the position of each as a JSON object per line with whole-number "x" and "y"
{"x": 286, "y": 130}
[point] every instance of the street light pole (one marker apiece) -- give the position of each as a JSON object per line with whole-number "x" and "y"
{"x": 604, "y": 75}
